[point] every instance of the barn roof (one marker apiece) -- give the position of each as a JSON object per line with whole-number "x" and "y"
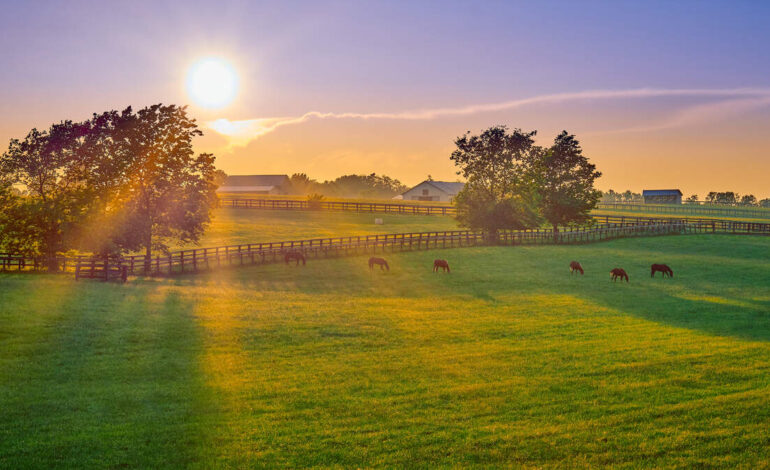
{"x": 449, "y": 187}
{"x": 255, "y": 180}
{"x": 661, "y": 192}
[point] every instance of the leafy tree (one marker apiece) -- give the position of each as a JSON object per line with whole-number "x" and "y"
{"x": 728, "y": 197}
{"x": 367, "y": 186}
{"x": 57, "y": 198}
{"x": 692, "y": 199}
{"x": 300, "y": 183}
{"x": 171, "y": 191}
{"x": 564, "y": 182}
{"x": 498, "y": 194}
{"x": 764, "y": 202}
{"x": 219, "y": 178}
{"x": 749, "y": 200}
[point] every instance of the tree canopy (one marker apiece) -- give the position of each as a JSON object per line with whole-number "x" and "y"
{"x": 514, "y": 184}
{"x": 115, "y": 183}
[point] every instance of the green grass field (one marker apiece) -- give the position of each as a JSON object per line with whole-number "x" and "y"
{"x": 507, "y": 361}
{"x": 234, "y": 226}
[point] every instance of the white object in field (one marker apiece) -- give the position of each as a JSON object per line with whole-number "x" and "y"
{"x": 377, "y": 221}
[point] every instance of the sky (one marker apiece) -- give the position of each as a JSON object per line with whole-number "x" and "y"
{"x": 669, "y": 94}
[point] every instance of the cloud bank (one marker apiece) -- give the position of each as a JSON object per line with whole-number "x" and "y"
{"x": 733, "y": 101}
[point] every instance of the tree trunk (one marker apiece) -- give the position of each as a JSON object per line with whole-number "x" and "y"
{"x": 148, "y": 253}
{"x": 492, "y": 237}
{"x": 555, "y": 233}
{"x": 52, "y": 264}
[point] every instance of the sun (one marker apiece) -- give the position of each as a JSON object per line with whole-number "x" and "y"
{"x": 212, "y": 82}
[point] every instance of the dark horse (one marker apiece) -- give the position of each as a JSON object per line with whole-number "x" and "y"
{"x": 662, "y": 268}
{"x": 294, "y": 255}
{"x": 575, "y": 266}
{"x": 380, "y": 261}
{"x": 441, "y": 263}
{"x": 619, "y": 273}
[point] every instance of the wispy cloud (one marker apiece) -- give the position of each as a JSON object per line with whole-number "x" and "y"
{"x": 734, "y": 100}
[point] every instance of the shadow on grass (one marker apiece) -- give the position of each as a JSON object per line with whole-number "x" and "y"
{"x": 115, "y": 384}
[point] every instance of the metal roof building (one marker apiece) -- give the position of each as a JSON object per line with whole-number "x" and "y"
{"x": 662, "y": 196}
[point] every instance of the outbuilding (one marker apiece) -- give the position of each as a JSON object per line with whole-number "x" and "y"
{"x": 438, "y": 191}
{"x": 255, "y": 184}
{"x": 662, "y": 196}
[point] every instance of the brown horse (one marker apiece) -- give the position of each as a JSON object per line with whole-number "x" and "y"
{"x": 575, "y": 266}
{"x": 619, "y": 273}
{"x": 441, "y": 263}
{"x": 296, "y": 256}
{"x": 661, "y": 268}
{"x": 379, "y": 261}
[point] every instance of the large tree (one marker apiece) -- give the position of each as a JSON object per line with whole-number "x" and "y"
{"x": 170, "y": 191}
{"x": 56, "y": 200}
{"x": 564, "y": 182}
{"x": 118, "y": 182}
{"x": 498, "y": 193}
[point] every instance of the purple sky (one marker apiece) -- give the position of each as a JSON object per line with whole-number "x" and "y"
{"x": 367, "y": 67}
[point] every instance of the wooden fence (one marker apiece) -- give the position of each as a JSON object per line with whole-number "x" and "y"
{"x": 416, "y": 209}
{"x": 289, "y": 205}
{"x": 689, "y": 209}
{"x": 607, "y": 228}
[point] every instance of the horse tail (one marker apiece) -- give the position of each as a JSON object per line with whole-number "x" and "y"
{"x": 652, "y": 271}
{"x": 580, "y": 268}
{"x": 447, "y": 268}
{"x": 386, "y": 265}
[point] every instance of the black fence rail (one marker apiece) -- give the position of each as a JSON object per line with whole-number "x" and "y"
{"x": 291, "y": 205}
{"x": 202, "y": 259}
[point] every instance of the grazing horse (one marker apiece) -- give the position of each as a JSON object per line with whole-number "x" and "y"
{"x": 441, "y": 263}
{"x": 662, "y": 268}
{"x": 619, "y": 273}
{"x": 575, "y": 266}
{"x": 296, "y": 256}
{"x": 380, "y": 261}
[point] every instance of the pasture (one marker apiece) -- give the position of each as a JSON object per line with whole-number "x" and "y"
{"x": 235, "y": 226}
{"x": 507, "y": 361}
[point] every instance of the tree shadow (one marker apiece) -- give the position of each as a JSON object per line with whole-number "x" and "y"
{"x": 115, "y": 383}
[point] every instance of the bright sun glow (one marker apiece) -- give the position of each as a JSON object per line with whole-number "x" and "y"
{"x": 212, "y": 82}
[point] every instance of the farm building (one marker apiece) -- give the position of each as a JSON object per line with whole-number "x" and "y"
{"x": 441, "y": 191}
{"x": 255, "y": 184}
{"x": 662, "y": 196}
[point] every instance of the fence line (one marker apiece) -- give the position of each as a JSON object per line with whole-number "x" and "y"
{"x": 416, "y": 209}
{"x": 199, "y": 259}
{"x": 288, "y": 204}
{"x": 746, "y": 212}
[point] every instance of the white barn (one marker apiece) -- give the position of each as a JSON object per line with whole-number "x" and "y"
{"x": 437, "y": 191}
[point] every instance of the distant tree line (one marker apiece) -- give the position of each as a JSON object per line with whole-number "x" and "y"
{"x": 118, "y": 182}
{"x": 734, "y": 199}
{"x": 616, "y": 197}
{"x": 514, "y": 184}
{"x": 728, "y": 198}
{"x": 370, "y": 186}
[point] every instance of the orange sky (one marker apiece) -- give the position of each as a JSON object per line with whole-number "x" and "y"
{"x": 661, "y": 94}
{"x": 696, "y": 143}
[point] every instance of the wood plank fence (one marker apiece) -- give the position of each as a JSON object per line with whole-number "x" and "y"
{"x": 607, "y": 228}
{"x": 291, "y": 205}
{"x": 689, "y": 209}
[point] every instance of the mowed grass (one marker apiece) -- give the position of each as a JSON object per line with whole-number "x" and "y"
{"x": 507, "y": 361}
{"x": 236, "y": 226}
